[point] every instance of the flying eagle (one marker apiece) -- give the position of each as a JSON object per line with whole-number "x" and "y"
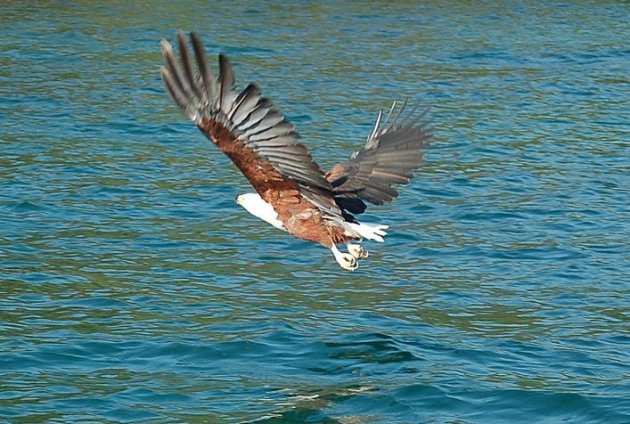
{"x": 292, "y": 192}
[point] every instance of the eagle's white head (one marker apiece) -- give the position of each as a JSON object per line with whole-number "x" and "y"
{"x": 255, "y": 205}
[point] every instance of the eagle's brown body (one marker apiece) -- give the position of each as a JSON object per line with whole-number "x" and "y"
{"x": 299, "y": 216}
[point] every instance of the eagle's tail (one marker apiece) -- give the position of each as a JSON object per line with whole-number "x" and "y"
{"x": 374, "y": 232}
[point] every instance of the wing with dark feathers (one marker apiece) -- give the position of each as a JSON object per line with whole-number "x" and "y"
{"x": 244, "y": 125}
{"x": 392, "y": 152}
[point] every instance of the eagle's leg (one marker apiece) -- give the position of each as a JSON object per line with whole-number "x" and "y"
{"x": 345, "y": 260}
{"x": 357, "y": 251}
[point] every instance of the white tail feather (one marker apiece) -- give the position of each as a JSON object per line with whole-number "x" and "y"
{"x": 369, "y": 231}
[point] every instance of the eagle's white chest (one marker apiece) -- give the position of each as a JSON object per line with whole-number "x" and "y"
{"x": 255, "y": 205}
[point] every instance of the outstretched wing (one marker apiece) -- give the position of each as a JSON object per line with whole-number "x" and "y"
{"x": 392, "y": 152}
{"x": 258, "y": 139}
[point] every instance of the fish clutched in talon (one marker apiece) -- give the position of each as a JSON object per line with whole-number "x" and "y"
{"x": 292, "y": 192}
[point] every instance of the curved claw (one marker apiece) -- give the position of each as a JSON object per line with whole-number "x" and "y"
{"x": 357, "y": 251}
{"x": 349, "y": 262}
{"x": 345, "y": 260}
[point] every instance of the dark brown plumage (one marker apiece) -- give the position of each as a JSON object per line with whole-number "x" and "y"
{"x": 392, "y": 151}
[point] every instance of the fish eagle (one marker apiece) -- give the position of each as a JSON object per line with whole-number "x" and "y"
{"x": 292, "y": 192}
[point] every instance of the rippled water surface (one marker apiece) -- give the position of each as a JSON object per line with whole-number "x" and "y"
{"x": 133, "y": 288}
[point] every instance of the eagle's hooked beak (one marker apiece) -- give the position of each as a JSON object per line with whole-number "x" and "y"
{"x": 238, "y": 199}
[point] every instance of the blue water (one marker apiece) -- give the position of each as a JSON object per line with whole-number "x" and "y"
{"x": 133, "y": 288}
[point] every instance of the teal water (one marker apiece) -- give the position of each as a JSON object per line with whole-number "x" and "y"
{"x": 133, "y": 288}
